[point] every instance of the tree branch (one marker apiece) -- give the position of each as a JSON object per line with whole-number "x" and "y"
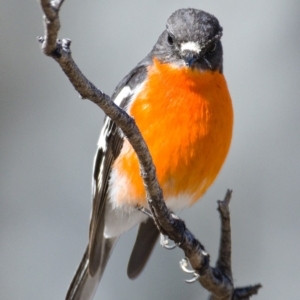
{"x": 216, "y": 280}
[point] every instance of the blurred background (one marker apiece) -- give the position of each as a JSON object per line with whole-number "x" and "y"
{"x": 48, "y": 140}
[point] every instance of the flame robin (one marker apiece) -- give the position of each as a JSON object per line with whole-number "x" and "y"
{"x": 179, "y": 99}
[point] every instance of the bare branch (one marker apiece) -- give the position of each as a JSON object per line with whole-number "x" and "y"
{"x": 60, "y": 51}
{"x": 245, "y": 293}
{"x": 224, "y": 259}
{"x": 216, "y": 280}
{"x": 51, "y": 24}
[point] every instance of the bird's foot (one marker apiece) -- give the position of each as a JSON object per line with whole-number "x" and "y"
{"x": 186, "y": 267}
{"x": 165, "y": 242}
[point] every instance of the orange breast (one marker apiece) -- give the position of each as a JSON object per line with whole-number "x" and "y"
{"x": 186, "y": 119}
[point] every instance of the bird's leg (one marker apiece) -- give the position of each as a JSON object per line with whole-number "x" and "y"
{"x": 145, "y": 211}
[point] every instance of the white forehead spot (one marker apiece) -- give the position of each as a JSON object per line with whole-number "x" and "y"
{"x": 190, "y": 46}
{"x": 124, "y": 93}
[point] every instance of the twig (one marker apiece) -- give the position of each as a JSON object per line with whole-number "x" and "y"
{"x": 60, "y": 51}
{"x": 216, "y": 280}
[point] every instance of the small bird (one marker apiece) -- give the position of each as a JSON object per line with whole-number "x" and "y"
{"x": 179, "y": 99}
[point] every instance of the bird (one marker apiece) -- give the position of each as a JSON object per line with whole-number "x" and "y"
{"x": 179, "y": 99}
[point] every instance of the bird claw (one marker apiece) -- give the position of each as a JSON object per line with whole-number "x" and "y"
{"x": 164, "y": 242}
{"x": 185, "y": 267}
{"x": 194, "y": 279}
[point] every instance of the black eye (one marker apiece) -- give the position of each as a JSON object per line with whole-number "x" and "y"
{"x": 170, "y": 40}
{"x": 212, "y": 48}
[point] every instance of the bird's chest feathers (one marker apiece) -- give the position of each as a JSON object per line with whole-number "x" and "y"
{"x": 182, "y": 110}
{"x": 185, "y": 117}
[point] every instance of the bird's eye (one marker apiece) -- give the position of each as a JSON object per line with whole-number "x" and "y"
{"x": 212, "y": 48}
{"x": 170, "y": 40}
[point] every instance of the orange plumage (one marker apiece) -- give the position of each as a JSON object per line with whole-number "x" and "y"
{"x": 186, "y": 118}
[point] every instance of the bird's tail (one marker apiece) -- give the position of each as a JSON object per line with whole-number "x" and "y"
{"x": 83, "y": 285}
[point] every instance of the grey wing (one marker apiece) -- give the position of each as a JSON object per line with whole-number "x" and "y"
{"x": 92, "y": 265}
{"x": 105, "y": 156}
{"x": 110, "y": 144}
{"x": 90, "y": 270}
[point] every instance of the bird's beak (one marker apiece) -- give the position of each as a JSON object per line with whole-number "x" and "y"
{"x": 189, "y": 57}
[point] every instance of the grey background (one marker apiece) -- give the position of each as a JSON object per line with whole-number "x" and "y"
{"x": 48, "y": 140}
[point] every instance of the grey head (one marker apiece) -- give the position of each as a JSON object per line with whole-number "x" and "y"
{"x": 191, "y": 39}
